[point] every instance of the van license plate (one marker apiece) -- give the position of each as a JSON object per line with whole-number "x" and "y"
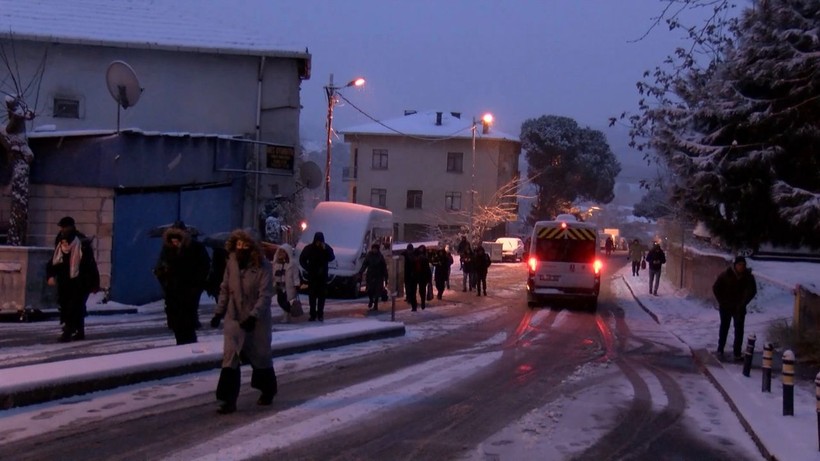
{"x": 550, "y": 278}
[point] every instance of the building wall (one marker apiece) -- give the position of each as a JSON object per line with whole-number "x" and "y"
{"x": 422, "y": 165}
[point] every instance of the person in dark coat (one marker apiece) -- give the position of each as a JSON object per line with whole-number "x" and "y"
{"x": 376, "y": 276}
{"x": 314, "y": 259}
{"x": 423, "y": 274}
{"x": 182, "y": 270}
{"x": 481, "y": 265}
{"x": 410, "y": 282}
{"x": 73, "y": 270}
{"x": 734, "y": 289}
{"x": 467, "y": 269}
{"x": 245, "y": 305}
{"x": 655, "y": 259}
{"x": 442, "y": 262}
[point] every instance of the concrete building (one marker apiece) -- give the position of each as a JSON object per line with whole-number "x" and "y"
{"x": 213, "y": 138}
{"x": 422, "y": 167}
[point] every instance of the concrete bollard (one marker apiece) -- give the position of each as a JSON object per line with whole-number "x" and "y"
{"x": 747, "y": 356}
{"x": 817, "y": 393}
{"x": 788, "y": 383}
{"x": 767, "y": 367}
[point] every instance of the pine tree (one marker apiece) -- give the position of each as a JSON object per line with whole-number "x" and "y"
{"x": 567, "y": 163}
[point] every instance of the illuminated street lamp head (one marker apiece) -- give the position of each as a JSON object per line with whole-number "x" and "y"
{"x": 486, "y": 120}
{"x": 357, "y": 82}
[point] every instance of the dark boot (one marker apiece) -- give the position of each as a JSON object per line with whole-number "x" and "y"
{"x": 264, "y": 379}
{"x": 227, "y": 390}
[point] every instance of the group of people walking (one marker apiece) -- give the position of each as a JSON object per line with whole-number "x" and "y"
{"x": 475, "y": 263}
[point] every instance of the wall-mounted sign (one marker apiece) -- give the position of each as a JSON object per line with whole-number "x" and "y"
{"x": 279, "y": 157}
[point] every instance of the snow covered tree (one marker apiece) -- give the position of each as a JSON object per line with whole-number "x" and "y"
{"x": 567, "y": 163}
{"x": 735, "y": 119}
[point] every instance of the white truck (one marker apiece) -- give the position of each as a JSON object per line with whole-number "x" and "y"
{"x": 350, "y": 229}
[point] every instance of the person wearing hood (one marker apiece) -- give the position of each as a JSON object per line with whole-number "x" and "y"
{"x": 244, "y": 304}
{"x": 182, "y": 269}
{"x": 286, "y": 278}
{"x": 73, "y": 270}
{"x": 734, "y": 289}
{"x": 655, "y": 258}
{"x": 376, "y": 268}
{"x": 314, "y": 259}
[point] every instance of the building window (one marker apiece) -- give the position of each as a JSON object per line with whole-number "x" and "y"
{"x": 452, "y": 201}
{"x": 455, "y": 162}
{"x": 66, "y": 108}
{"x": 379, "y": 159}
{"x": 414, "y": 199}
{"x": 378, "y": 198}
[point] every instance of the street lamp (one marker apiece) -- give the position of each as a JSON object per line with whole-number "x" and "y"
{"x": 330, "y": 92}
{"x": 486, "y": 120}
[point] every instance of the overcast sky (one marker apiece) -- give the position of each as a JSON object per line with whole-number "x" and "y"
{"x": 518, "y": 59}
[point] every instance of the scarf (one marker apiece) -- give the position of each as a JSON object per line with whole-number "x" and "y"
{"x": 75, "y": 253}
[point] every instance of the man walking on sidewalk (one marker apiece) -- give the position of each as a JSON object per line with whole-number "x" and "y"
{"x": 734, "y": 288}
{"x": 656, "y": 258}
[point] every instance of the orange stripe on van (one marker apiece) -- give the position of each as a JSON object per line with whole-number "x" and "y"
{"x": 553, "y": 233}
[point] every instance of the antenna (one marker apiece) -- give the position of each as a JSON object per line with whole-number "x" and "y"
{"x": 310, "y": 175}
{"x": 123, "y": 85}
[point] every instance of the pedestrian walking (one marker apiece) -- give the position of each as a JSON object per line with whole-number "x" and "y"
{"x": 182, "y": 270}
{"x": 314, "y": 260}
{"x": 410, "y": 282}
{"x": 734, "y": 289}
{"x": 375, "y": 268}
{"x": 423, "y": 274}
{"x": 244, "y": 304}
{"x": 467, "y": 271}
{"x": 73, "y": 270}
{"x": 609, "y": 245}
{"x": 286, "y": 279}
{"x": 481, "y": 265}
{"x": 655, "y": 258}
{"x": 443, "y": 261}
{"x": 636, "y": 255}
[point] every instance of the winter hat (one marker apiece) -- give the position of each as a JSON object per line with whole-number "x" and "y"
{"x": 740, "y": 260}
{"x": 319, "y": 237}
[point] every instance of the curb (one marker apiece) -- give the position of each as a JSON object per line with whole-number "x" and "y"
{"x": 701, "y": 358}
{"x": 32, "y": 384}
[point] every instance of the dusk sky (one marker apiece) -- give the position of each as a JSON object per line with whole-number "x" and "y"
{"x": 517, "y": 59}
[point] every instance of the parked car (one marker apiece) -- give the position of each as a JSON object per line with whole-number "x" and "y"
{"x": 512, "y": 248}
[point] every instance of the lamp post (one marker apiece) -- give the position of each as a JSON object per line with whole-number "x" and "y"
{"x": 486, "y": 120}
{"x": 330, "y": 92}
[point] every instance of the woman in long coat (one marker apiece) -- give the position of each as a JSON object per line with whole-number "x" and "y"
{"x": 244, "y": 303}
{"x": 286, "y": 278}
{"x": 73, "y": 270}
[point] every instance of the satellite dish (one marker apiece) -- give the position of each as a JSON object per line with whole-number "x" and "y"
{"x": 123, "y": 84}
{"x": 310, "y": 175}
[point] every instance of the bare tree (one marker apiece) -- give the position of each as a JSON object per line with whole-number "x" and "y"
{"x": 14, "y": 140}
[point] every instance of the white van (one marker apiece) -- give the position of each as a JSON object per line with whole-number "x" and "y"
{"x": 563, "y": 262}
{"x": 350, "y": 229}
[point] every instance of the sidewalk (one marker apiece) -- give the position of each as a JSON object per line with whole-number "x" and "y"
{"x": 38, "y": 383}
{"x": 695, "y": 323}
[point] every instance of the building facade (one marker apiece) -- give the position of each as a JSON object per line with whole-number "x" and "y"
{"x": 212, "y": 140}
{"x": 423, "y": 167}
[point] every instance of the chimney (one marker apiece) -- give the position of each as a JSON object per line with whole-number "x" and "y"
{"x": 456, "y": 115}
{"x": 438, "y": 118}
{"x": 409, "y": 112}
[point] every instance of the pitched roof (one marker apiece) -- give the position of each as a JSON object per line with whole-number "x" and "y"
{"x": 179, "y": 25}
{"x": 423, "y": 124}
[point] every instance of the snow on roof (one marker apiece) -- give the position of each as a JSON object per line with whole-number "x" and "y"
{"x": 423, "y": 123}
{"x": 183, "y": 25}
{"x": 103, "y": 132}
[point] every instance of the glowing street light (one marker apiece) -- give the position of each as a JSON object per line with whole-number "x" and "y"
{"x": 330, "y": 92}
{"x": 486, "y": 121}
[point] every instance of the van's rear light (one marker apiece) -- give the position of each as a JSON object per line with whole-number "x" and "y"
{"x": 597, "y": 266}
{"x": 533, "y": 263}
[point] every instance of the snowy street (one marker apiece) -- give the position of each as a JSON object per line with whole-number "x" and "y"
{"x": 474, "y": 378}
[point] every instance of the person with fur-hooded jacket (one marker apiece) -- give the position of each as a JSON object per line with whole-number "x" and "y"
{"x": 286, "y": 278}
{"x": 182, "y": 269}
{"x": 244, "y": 303}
